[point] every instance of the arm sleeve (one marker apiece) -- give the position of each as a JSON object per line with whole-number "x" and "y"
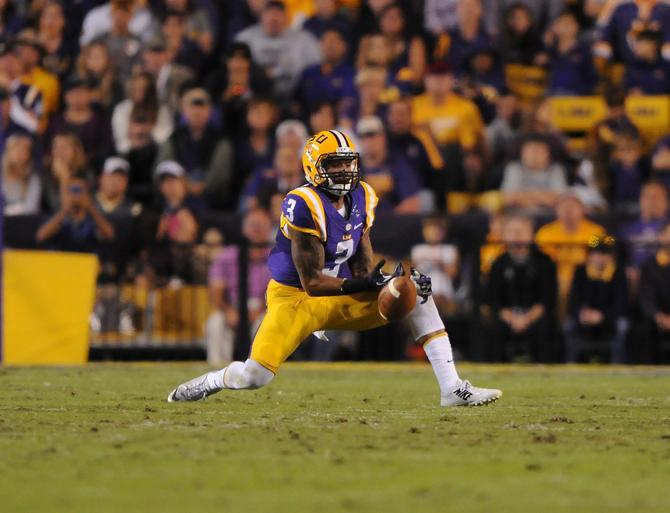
{"x": 549, "y": 290}
{"x": 575, "y": 298}
{"x": 511, "y": 178}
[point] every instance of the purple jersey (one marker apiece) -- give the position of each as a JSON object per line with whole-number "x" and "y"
{"x": 309, "y": 210}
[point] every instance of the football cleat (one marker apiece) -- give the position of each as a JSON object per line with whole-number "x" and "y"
{"x": 464, "y": 394}
{"x": 193, "y": 390}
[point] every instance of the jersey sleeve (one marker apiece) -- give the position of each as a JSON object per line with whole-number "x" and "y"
{"x": 302, "y": 211}
{"x": 371, "y": 201}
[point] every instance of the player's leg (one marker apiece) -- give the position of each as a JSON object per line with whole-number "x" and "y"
{"x": 292, "y": 315}
{"x": 428, "y": 329}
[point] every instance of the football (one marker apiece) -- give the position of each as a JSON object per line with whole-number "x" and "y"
{"x": 397, "y": 299}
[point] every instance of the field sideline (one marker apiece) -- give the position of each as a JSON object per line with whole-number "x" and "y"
{"x": 335, "y": 438}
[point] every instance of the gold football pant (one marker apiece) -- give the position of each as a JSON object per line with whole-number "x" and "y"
{"x": 293, "y": 315}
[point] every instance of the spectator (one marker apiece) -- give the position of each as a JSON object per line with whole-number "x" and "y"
{"x": 408, "y": 55}
{"x": 111, "y": 196}
{"x": 371, "y": 85}
{"x": 30, "y": 51}
{"x": 570, "y": 61}
{"x": 285, "y": 175}
{"x": 449, "y": 118}
{"x": 535, "y": 182}
{"x": 396, "y": 183}
{"x": 99, "y": 21}
{"x": 521, "y": 294}
{"x": 503, "y": 131}
{"x": 223, "y": 322}
{"x": 598, "y": 304}
{"x": 441, "y": 261}
{"x": 79, "y": 117}
{"x": 78, "y": 225}
{"x": 647, "y": 72}
{"x": 142, "y": 101}
{"x": 234, "y": 84}
{"x": 21, "y": 186}
{"x": 170, "y": 77}
{"x": 199, "y": 148}
{"x": 170, "y": 256}
{"x": 322, "y": 116}
{"x": 66, "y": 160}
{"x": 660, "y": 161}
{"x": 627, "y": 171}
{"x": 10, "y": 20}
{"x": 197, "y": 23}
{"x": 255, "y": 146}
{"x": 619, "y": 19}
{"x": 421, "y": 153}
{"x": 123, "y": 46}
{"x": 330, "y": 81}
{"x": 25, "y": 101}
{"x": 440, "y": 16}
{"x": 282, "y": 51}
{"x": 184, "y": 51}
{"x": 95, "y": 66}
{"x": 60, "y": 50}
{"x": 484, "y": 79}
{"x": 543, "y": 12}
{"x": 291, "y": 133}
{"x": 141, "y": 156}
{"x": 468, "y": 35}
{"x": 521, "y": 42}
{"x": 640, "y": 235}
{"x": 327, "y": 17}
{"x": 655, "y": 303}
{"x": 565, "y": 240}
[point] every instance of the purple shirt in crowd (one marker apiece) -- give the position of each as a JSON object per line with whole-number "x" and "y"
{"x": 225, "y": 269}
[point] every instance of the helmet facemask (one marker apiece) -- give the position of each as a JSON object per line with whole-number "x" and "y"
{"x": 336, "y": 178}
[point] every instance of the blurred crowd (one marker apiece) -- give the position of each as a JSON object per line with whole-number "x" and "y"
{"x": 141, "y": 119}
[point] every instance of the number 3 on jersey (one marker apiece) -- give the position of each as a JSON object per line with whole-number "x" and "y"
{"x": 344, "y": 251}
{"x": 290, "y": 205}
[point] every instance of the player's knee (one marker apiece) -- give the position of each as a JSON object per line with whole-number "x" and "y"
{"x": 256, "y": 376}
{"x": 425, "y": 319}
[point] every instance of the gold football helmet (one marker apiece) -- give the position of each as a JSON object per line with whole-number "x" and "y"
{"x": 330, "y": 162}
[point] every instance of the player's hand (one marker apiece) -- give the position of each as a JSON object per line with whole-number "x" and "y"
{"x": 423, "y": 284}
{"x": 377, "y": 278}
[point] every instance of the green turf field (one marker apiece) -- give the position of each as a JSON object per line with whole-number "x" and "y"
{"x": 333, "y": 437}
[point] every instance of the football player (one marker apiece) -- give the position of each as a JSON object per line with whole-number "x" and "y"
{"x": 324, "y": 278}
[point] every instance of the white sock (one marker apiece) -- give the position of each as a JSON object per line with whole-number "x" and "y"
{"x": 215, "y": 380}
{"x": 441, "y": 358}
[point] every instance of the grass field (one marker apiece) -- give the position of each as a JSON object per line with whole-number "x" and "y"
{"x": 334, "y": 438}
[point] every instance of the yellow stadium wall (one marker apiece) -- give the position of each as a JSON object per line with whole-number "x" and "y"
{"x": 48, "y": 298}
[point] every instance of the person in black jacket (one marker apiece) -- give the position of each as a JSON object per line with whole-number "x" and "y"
{"x": 598, "y": 303}
{"x": 655, "y": 304}
{"x": 521, "y": 296}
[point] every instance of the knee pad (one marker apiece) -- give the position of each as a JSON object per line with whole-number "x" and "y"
{"x": 424, "y": 319}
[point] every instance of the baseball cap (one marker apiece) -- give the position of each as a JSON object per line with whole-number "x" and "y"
{"x": 157, "y": 43}
{"x": 440, "y": 68}
{"x": 28, "y": 37}
{"x": 196, "y": 96}
{"x": 115, "y": 164}
{"x": 169, "y": 167}
{"x": 369, "y": 125}
{"x": 75, "y": 82}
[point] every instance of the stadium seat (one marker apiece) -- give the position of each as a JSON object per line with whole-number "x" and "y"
{"x": 651, "y": 114}
{"x": 527, "y": 82}
{"x": 575, "y": 116}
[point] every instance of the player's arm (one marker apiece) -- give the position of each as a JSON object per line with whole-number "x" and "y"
{"x": 309, "y": 259}
{"x": 361, "y": 263}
